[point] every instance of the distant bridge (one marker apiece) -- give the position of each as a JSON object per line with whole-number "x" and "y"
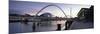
{"x": 54, "y": 6}
{"x": 35, "y": 18}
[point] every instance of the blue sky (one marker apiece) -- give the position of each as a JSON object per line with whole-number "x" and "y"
{"x": 23, "y": 7}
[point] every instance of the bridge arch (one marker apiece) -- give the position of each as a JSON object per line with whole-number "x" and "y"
{"x": 49, "y": 6}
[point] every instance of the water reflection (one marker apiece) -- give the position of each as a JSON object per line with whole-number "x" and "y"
{"x": 22, "y": 27}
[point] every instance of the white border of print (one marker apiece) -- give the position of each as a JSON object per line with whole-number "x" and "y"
{"x": 4, "y": 17}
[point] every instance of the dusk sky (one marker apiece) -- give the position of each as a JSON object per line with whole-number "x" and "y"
{"x": 21, "y": 7}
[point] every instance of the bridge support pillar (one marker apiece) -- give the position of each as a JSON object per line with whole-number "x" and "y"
{"x": 58, "y": 26}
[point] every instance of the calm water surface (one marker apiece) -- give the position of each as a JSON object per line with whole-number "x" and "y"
{"x": 19, "y": 27}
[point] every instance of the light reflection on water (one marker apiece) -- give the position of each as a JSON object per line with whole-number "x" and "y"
{"x": 18, "y": 27}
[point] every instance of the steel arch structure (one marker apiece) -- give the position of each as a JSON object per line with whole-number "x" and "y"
{"x": 49, "y": 6}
